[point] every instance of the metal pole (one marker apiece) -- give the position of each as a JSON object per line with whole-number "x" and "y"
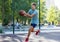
{"x": 13, "y": 13}
{"x": 39, "y": 14}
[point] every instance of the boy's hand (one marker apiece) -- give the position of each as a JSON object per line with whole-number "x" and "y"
{"x": 25, "y": 14}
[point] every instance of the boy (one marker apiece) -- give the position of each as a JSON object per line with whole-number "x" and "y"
{"x": 33, "y": 14}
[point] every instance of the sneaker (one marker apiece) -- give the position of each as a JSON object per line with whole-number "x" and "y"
{"x": 37, "y": 32}
{"x": 26, "y": 40}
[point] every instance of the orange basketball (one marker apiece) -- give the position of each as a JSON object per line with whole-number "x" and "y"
{"x": 21, "y": 12}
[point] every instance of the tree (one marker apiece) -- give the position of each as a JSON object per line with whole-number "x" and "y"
{"x": 51, "y": 14}
{"x": 0, "y": 10}
{"x": 58, "y": 17}
{"x": 42, "y": 11}
{"x": 6, "y": 11}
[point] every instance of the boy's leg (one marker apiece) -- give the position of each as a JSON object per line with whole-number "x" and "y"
{"x": 29, "y": 32}
{"x": 32, "y": 30}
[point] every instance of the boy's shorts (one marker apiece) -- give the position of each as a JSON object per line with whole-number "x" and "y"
{"x": 34, "y": 25}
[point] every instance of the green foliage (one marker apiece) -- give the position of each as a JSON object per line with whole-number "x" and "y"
{"x": 43, "y": 10}
{"x": 7, "y": 12}
{"x": 58, "y": 17}
{"x": 0, "y": 9}
{"x": 51, "y": 15}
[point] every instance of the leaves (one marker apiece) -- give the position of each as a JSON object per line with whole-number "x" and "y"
{"x": 42, "y": 10}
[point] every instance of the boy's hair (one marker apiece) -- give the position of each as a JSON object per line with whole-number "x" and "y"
{"x": 34, "y": 4}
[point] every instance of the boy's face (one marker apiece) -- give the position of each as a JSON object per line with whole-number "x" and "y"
{"x": 33, "y": 7}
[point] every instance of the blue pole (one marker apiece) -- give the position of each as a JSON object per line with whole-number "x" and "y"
{"x": 13, "y": 8}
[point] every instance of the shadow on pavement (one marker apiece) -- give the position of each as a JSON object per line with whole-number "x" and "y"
{"x": 10, "y": 38}
{"x": 51, "y": 36}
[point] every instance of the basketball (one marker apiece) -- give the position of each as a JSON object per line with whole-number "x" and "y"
{"x": 21, "y": 12}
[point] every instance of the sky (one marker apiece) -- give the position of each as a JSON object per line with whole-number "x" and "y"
{"x": 53, "y": 2}
{"x": 57, "y": 3}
